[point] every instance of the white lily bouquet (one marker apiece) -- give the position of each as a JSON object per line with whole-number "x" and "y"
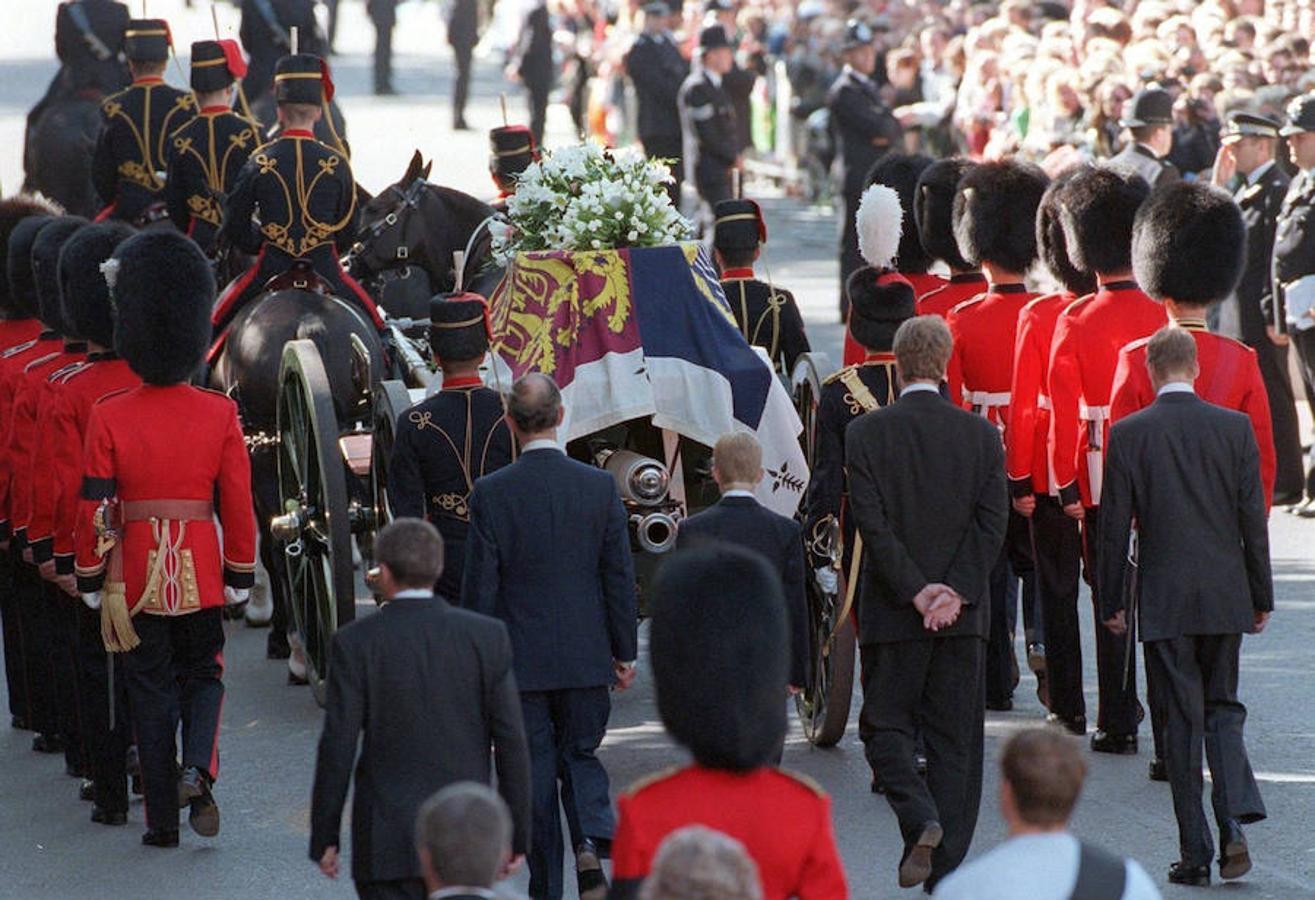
{"x": 584, "y": 197}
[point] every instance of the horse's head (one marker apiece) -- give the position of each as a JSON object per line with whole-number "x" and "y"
{"x": 393, "y": 233}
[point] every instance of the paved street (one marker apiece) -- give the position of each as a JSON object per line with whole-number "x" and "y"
{"x": 49, "y": 850}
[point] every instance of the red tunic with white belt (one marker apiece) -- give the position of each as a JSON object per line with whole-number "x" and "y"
{"x": 981, "y": 370}
{"x": 59, "y": 478}
{"x": 175, "y": 442}
{"x": 1230, "y": 377}
{"x": 1027, "y": 441}
{"x": 1088, "y": 337}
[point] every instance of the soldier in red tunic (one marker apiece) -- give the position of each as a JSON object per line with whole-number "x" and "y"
{"x": 933, "y": 211}
{"x": 19, "y": 328}
{"x": 720, "y": 663}
{"x": 56, "y": 483}
{"x": 159, "y": 461}
{"x": 1186, "y": 254}
{"x": 995, "y": 226}
{"x": 1056, "y": 542}
{"x": 1098, "y": 211}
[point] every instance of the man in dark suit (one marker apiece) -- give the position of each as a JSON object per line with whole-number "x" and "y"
{"x": 657, "y": 70}
{"x": 865, "y": 130}
{"x": 738, "y": 518}
{"x": 463, "y": 836}
{"x": 549, "y": 553}
{"x": 432, "y": 689}
{"x": 927, "y": 490}
{"x": 1248, "y": 162}
{"x": 463, "y": 35}
{"x": 1189, "y": 473}
{"x": 532, "y": 65}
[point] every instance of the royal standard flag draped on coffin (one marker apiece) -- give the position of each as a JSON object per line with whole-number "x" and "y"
{"x": 646, "y": 332}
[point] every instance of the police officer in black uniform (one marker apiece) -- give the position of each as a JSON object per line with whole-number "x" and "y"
{"x": 206, "y": 154}
{"x": 131, "y": 152}
{"x": 266, "y": 33}
{"x": 1247, "y": 163}
{"x": 657, "y": 71}
{"x": 89, "y": 44}
{"x": 1149, "y": 120}
{"x": 1294, "y": 253}
{"x": 448, "y": 440}
{"x": 295, "y": 199}
{"x": 864, "y": 128}
{"x": 708, "y": 121}
{"x": 767, "y": 315}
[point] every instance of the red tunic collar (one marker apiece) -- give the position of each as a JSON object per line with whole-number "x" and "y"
{"x": 214, "y": 110}
{"x": 298, "y": 133}
{"x": 879, "y": 358}
{"x": 149, "y": 79}
{"x": 462, "y": 381}
{"x": 737, "y": 274}
{"x": 1192, "y": 323}
{"x": 1126, "y": 284}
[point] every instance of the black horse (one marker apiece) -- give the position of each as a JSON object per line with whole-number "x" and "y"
{"x": 59, "y": 154}
{"x": 404, "y": 254}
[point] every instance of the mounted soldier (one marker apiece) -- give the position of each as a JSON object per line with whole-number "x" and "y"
{"x": 206, "y": 154}
{"x": 293, "y": 204}
{"x": 128, "y": 166}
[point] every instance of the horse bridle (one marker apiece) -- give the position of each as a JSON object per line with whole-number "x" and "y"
{"x": 408, "y": 199}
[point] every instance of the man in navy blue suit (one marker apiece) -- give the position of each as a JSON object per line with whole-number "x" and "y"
{"x": 738, "y": 518}
{"x": 548, "y": 552}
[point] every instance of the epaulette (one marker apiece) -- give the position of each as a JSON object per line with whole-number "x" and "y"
{"x": 971, "y": 301}
{"x": 40, "y": 360}
{"x": 803, "y": 780}
{"x": 651, "y": 779}
{"x": 836, "y": 375}
{"x": 18, "y": 348}
{"x": 105, "y": 398}
{"x": 1233, "y": 341}
{"x": 210, "y": 390}
{"x": 63, "y": 374}
{"x": 1137, "y": 344}
{"x": 1072, "y": 307}
{"x": 1044, "y": 298}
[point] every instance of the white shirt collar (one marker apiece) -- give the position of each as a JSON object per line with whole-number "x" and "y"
{"x": 920, "y": 386}
{"x": 462, "y": 892}
{"x": 541, "y": 444}
{"x": 412, "y": 592}
{"x": 1176, "y": 387}
{"x": 738, "y": 492}
{"x": 714, "y": 77}
{"x": 857, "y": 74}
{"x": 1259, "y": 172}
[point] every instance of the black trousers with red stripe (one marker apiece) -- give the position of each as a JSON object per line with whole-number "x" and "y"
{"x": 175, "y": 676}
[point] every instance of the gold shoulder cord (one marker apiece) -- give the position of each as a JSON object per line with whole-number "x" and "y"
{"x": 858, "y": 390}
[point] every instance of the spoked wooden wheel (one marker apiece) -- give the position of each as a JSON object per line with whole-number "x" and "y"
{"x": 314, "y": 528}
{"x": 391, "y": 399}
{"x": 823, "y": 706}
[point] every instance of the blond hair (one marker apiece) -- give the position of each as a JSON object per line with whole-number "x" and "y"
{"x": 922, "y": 348}
{"x": 738, "y": 457}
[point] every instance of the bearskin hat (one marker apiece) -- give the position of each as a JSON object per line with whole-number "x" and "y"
{"x": 933, "y": 209}
{"x": 459, "y": 326}
{"x": 45, "y": 268}
{"x": 163, "y": 290}
{"x": 1098, "y": 210}
{"x": 1189, "y": 243}
{"x": 900, "y": 171}
{"x": 84, "y": 295}
{"x": 879, "y": 223}
{"x": 720, "y": 655}
{"x": 995, "y": 214}
{"x": 1050, "y": 243}
{"x": 18, "y": 265}
{"x": 879, "y": 302}
{"x": 12, "y": 211}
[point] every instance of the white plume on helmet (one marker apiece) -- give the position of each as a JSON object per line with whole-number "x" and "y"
{"x": 879, "y": 222}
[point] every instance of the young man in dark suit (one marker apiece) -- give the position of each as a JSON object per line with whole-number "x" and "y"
{"x": 432, "y": 688}
{"x": 548, "y": 552}
{"x": 738, "y": 518}
{"x": 927, "y": 489}
{"x": 1189, "y": 473}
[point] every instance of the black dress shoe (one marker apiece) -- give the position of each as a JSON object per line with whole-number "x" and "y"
{"x": 1193, "y": 876}
{"x": 87, "y": 790}
{"x": 915, "y": 867}
{"x": 1234, "y": 857}
{"x": 47, "y": 743}
{"x": 277, "y": 646}
{"x": 194, "y": 791}
{"x": 1076, "y": 725}
{"x": 108, "y": 817}
{"x": 1158, "y": 771}
{"x": 161, "y": 837}
{"x": 1105, "y": 742}
{"x": 589, "y": 877}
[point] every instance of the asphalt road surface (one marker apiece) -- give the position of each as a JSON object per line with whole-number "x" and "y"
{"x": 49, "y": 850}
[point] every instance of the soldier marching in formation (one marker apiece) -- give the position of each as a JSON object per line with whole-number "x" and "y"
{"x": 767, "y": 315}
